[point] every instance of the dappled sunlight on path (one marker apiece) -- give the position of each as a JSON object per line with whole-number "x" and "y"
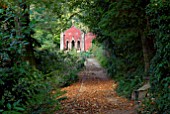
{"x": 94, "y": 94}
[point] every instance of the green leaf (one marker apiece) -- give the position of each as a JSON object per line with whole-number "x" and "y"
{"x": 11, "y": 112}
{"x": 9, "y": 106}
{"x": 1, "y": 10}
{"x": 19, "y": 108}
{"x": 16, "y": 103}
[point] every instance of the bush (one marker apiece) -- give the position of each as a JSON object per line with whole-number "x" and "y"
{"x": 54, "y": 65}
{"x": 23, "y": 88}
{"x": 120, "y": 70}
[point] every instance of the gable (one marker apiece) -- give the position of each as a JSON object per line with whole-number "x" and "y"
{"x": 72, "y": 32}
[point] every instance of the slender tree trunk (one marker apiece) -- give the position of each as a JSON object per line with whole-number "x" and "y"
{"x": 25, "y": 23}
{"x": 145, "y": 51}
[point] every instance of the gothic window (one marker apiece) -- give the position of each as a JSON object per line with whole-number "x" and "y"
{"x": 67, "y": 43}
{"x": 73, "y": 44}
{"x": 78, "y": 45}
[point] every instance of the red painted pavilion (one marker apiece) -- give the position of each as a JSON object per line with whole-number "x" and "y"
{"x": 74, "y": 38}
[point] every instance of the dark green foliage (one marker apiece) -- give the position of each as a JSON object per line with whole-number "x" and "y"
{"x": 132, "y": 80}
{"x": 54, "y": 65}
{"x": 126, "y": 31}
{"x": 25, "y": 88}
{"x": 29, "y": 87}
{"x": 133, "y": 43}
{"x": 119, "y": 33}
{"x": 125, "y": 73}
{"x": 159, "y": 17}
{"x": 22, "y": 87}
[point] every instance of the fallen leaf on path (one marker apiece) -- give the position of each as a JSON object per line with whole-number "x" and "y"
{"x": 95, "y": 94}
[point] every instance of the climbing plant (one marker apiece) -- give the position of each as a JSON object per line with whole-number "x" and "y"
{"x": 158, "y": 12}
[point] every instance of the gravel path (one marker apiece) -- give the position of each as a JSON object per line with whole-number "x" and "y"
{"x": 94, "y": 94}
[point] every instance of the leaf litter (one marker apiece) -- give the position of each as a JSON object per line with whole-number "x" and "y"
{"x": 95, "y": 93}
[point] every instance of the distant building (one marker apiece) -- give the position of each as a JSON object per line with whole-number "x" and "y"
{"x": 74, "y": 38}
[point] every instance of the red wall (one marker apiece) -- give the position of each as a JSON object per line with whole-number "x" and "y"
{"x": 70, "y": 33}
{"x": 75, "y": 33}
{"x": 88, "y": 40}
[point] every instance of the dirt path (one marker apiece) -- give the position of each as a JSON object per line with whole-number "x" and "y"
{"x": 94, "y": 94}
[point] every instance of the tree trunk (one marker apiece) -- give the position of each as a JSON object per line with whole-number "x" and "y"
{"x": 25, "y": 23}
{"x": 145, "y": 51}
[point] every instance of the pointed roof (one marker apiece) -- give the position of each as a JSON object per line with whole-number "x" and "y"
{"x": 73, "y": 32}
{"x": 73, "y": 28}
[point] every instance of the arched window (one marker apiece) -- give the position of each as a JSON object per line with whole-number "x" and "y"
{"x": 67, "y": 43}
{"x": 73, "y": 44}
{"x": 78, "y": 45}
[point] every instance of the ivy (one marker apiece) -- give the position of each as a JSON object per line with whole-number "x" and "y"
{"x": 158, "y": 12}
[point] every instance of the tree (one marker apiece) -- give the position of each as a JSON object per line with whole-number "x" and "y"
{"x": 158, "y": 15}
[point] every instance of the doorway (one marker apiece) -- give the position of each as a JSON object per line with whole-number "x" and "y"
{"x": 78, "y": 45}
{"x": 73, "y": 44}
{"x": 67, "y": 43}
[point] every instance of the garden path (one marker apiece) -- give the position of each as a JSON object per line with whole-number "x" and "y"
{"x": 94, "y": 94}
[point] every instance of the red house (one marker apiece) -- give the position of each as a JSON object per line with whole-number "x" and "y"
{"x": 75, "y": 38}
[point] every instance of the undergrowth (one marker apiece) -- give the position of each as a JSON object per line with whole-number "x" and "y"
{"x": 128, "y": 76}
{"x": 27, "y": 88}
{"x": 159, "y": 100}
{"x": 66, "y": 66}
